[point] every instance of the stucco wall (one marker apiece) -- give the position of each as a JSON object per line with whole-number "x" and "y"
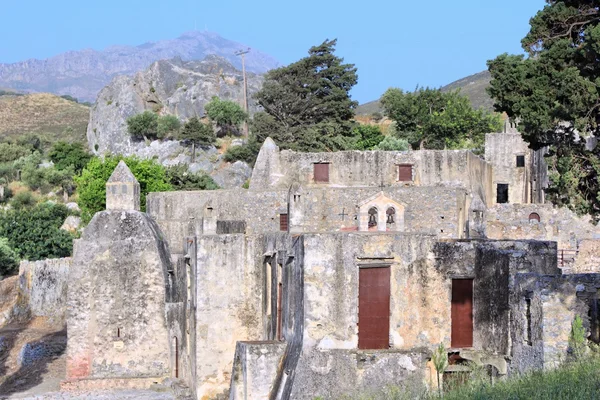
{"x": 116, "y": 299}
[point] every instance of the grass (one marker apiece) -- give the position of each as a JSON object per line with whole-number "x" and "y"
{"x": 573, "y": 381}
{"x": 47, "y": 115}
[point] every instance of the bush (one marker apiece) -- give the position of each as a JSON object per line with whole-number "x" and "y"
{"x": 35, "y": 233}
{"x": 143, "y": 126}
{"x": 227, "y": 114}
{"x": 9, "y": 259}
{"x": 23, "y": 200}
{"x": 167, "y": 126}
{"x": 196, "y": 132}
{"x": 11, "y": 152}
{"x": 391, "y": 143}
{"x": 368, "y": 136}
{"x": 65, "y": 155}
{"x": 91, "y": 184}
{"x": 7, "y": 193}
{"x": 247, "y": 152}
{"x": 181, "y": 179}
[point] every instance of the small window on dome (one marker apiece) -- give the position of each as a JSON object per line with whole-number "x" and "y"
{"x": 534, "y": 217}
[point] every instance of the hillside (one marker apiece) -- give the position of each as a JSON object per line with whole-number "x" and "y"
{"x": 44, "y": 114}
{"x": 472, "y": 86}
{"x": 82, "y": 74}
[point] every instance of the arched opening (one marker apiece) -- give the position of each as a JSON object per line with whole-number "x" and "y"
{"x": 390, "y": 220}
{"x": 534, "y": 217}
{"x": 373, "y": 217}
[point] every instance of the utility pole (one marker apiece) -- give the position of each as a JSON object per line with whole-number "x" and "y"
{"x": 243, "y": 54}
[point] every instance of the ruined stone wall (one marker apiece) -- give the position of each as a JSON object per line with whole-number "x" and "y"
{"x": 43, "y": 288}
{"x": 441, "y": 211}
{"x": 512, "y": 221}
{"x": 554, "y": 302}
{"x": 116, "y": 298}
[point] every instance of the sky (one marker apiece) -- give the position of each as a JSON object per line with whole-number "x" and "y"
{"x": 393, "y": 43}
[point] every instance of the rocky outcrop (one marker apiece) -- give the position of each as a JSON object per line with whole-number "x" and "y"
{"x": 173, "y": 87}
{"x": 84, "y": 73}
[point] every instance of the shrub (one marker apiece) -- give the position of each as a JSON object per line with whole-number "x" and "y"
{"x": 11, "y": 152}
{"x": 143, "y": 126}
{"x": 368, "y": 136}
{"x": 196, "y": 132}
{"x": 23, "y": 200}
{"x": 91, "y": 184}
{"x": 35, "y": 233}
{"x": 181, "y": 179}
{"x": 167, "y": 126}
{"x": 9, "y": 259}
{"x": 227, "y": 114}
{"x": 65, "y": 155}
{"x": 391, "y": 143}
{"x": 247, "y": 152}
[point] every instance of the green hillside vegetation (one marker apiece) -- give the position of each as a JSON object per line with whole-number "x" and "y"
{"x": 51, "y": 117}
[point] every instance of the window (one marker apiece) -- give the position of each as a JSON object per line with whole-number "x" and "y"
{"x": 502, "y": 193}
{"x": 520, "y": 161}
{"x": 283, "y": 222}
{"x": 534, "y": 217}
{"x": 528, "y": 319}
{"x": 372, "y": 217}
{"x": 462, "y": 313}
{"x": 321, "y": 172}
{"x": 391, "y": 213}
{"x": 405, "y": 173}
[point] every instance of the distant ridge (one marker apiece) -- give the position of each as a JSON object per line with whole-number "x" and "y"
{"x": 473, "y": 86}
{"x": 82, "y": 74}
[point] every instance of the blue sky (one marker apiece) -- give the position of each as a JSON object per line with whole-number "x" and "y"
{"x": 393, "y": 43}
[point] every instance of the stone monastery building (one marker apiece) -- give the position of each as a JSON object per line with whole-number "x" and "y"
{"x": 333, "y": 273}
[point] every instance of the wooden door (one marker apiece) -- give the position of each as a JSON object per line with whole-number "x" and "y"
{"x": 321, "y": 172}
{"x": 374, "y": 308}
{"x": 462, "y": 313}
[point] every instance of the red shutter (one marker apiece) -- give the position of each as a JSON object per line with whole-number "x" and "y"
{"x": 374, "y": 308}
{"x": 405, "y": 173}
{"x": 462, "y": 313}
{"x": 321, "y": 172}
{"x": 283, "y": 222}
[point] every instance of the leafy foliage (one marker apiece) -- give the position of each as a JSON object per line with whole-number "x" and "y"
{"x": 91, "y": 184}
{"x": 167, "y": 126}
{"x": 196, "y": 132}
{"x": 246, "y": 153}
{"x": 181, "y": 179}
{"x": 35, "y": 233}
{"x": 12, "y": 151}
{"x": 392, "y": 143}
{"x": 367, "y": 136}
{"x": 228, "y": 115}
{"x": 23, "y": 200}
{"x": 9, "y": 259}
{"x": 143, "y": 126}
{"x": 430, "y": 118}
{"x": 69, "y": 155}
{"x": 307, "y": 104}
{"x": 554, "y": 95}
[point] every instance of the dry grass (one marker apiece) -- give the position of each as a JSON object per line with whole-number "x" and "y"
{"x": 45, "y": 114}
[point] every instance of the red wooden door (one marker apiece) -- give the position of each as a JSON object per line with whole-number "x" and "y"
{"x": 373, "y": 308}
{"x": 462, "y": 313}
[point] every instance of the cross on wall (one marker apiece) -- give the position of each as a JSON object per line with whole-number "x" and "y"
{"x": 343, "y": 214}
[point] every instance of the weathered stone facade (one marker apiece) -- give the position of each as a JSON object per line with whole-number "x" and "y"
{"x": 264, "y": 293}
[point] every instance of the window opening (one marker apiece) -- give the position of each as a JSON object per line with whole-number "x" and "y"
{"x": 405, "y": 172}
{"x": 502, "y": 193}
{"x": 321, "y": 172}
{"x": 283, "y": 222}
{"x": 528, "y": 319}
{"x": 520, "y": 161}
{"x": 372, "y": 217}
{"x": 594, "y": 314}
{"x": 534, "y": 217}
{"x": 391, "y": 213}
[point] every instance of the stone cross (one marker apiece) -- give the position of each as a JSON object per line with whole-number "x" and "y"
{"x": 122, "y": 190}
{"x": 343, "y": 214}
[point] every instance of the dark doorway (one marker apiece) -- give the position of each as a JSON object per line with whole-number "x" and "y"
{"x": 374, "y": 308}
{"x": 502, "y": 193}
{"x": 462, "y": 313}
{"x": 321, "y": 172}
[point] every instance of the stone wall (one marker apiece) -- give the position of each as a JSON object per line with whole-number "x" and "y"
{"x": 512, "y": 221}
{"x": 116, "y": 299}
{"x": 43, "y": 288}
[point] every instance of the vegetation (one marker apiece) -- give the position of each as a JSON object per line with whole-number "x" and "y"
{"x": 9, "y": 259}
{"x": 367, "y": 137}
{"x": 553, "y": 94}
{"x": 69, "y": 155}
{"x": 307, "y": 104}
{"x": 143, "y": 126}
{"x": 91, "y": 183}
{"x": 392, "y": 143}
{"x": 167, "y": 126}
{"x": 246, "y": 153}
{"x": 432, "y": 119}
{"x": 34, "y": 231}
{"x": 198, "y": 133}
{"x": 227, "y": 115}
{"x": 440, "y": 362}
{"x": 181, "y": 179}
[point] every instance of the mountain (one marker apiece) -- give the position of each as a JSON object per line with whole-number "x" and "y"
{"x": 473, "y": 86}
{"x": 82, "y": 74}
{"x": 44, "y": 114}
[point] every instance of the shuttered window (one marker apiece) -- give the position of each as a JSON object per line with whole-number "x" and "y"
{"x": 405, "y": 173}
{"x": 321, "y": 172}
{"x": 283, "y": 222}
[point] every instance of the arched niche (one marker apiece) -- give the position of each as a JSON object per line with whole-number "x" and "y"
{"x": 389, "y": 214}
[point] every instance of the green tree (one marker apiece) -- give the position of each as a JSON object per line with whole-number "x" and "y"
{"x": 392, "y": 143}
{"x": 197, "y": 133}
{"x": 9, "y": 259}
{"x": 65, "y": 155}
{"x": 181, "y": 179}
{"x": 12, "y": 151}
{"x": 367, "y": 136}
{"x": 432, "y": 119}
{"x": 246, "y": 153}
{"x": 168, "y": 126}
{"x": 307, "y": 104}
{"x": 227, "y": 114}
{"x": 143, "y": 126}
{"x": 554, "y": 96}
{"x": 35, "y": 233}
{"x": 91, "y": 184}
